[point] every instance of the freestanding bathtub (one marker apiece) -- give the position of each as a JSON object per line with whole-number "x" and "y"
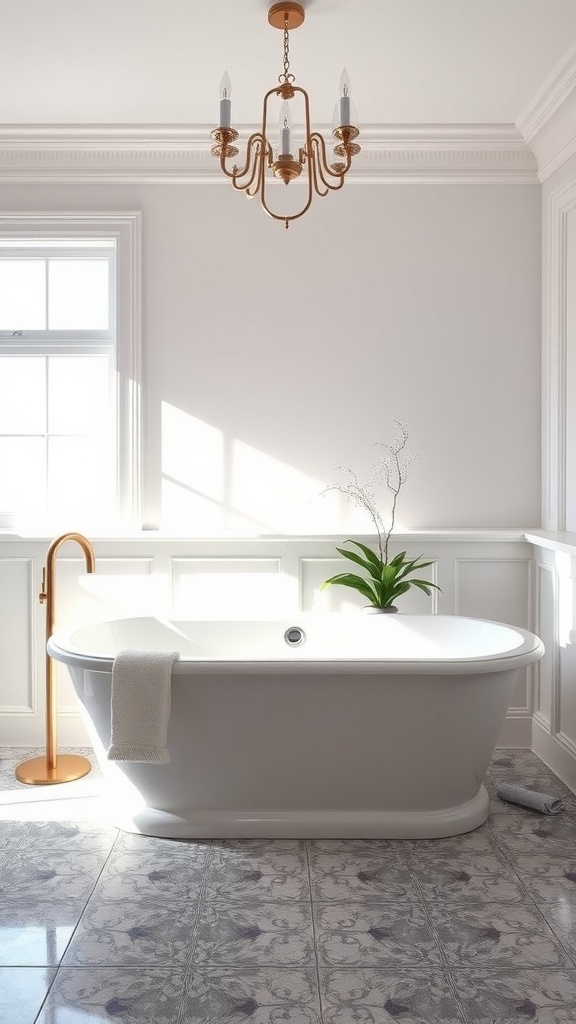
{"x": 352, "y": 725}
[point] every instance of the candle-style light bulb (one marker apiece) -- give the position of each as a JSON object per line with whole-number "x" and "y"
{"x": 344, "y": 98}
{"x": 225, "y": 102}
{"x": 285, "y": 129}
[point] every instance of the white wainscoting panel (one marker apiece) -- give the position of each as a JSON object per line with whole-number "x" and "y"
{"x": 545, "y": 671}
{"x": 554, "y": 723}
{"x": 228, "y": 588}
{"x": 17, "y": 638}
{"x": 497, "y": 589}
{"x": 566, "y": 708}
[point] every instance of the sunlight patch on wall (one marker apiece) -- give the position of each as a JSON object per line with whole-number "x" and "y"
{"x": 267, "y": 489}
{"x": 192, "y": 473}
{"x": 216, "y": 485}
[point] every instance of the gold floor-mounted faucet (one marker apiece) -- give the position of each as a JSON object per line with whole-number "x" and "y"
{"x": 42, "y": 771}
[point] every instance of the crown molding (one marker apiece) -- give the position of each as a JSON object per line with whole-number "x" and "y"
{"x": 548, "y": 124}
{"x": 157, "y": 154}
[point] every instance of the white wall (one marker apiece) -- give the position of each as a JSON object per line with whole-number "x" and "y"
{"x": 273, "y": 356}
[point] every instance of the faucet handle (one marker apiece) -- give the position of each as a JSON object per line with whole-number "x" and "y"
{"x": 42, "y": 596}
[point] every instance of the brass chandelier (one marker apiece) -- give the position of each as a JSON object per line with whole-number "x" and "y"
{"x": 264, "y": 156}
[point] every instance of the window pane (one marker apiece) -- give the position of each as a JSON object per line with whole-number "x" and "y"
{"x": 22, "y": 295}
{"x": 78, "y": 400}
{"x": 22, "y": 395}
{"x": 80, "y": 476}
{"x": 78, "y": 292}
{"x": 23, "y": 474}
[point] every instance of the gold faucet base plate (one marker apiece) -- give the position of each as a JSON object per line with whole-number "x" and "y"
{"x": 68, "y": 768}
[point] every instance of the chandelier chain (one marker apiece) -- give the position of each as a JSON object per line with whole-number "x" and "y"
{"x": 286, "y": 77}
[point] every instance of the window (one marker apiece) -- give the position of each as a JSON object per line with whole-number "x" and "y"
{"x": 69, "y": 372}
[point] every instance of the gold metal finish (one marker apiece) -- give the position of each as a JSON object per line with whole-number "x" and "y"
{"x": 68, "y": 768}
{"x": 223, "y": 137}
{"x": 43, "y": 771}
{"x": 286, "y": 15}
{"x": 346, "y": 132}
{"x": 286, "y": 168}
{"x": 323, "y": 174}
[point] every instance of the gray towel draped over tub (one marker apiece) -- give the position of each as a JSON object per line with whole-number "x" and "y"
{"x": 140, "y": 706}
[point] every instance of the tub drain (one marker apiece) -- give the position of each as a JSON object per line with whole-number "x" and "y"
{"x": 294, "y": 636}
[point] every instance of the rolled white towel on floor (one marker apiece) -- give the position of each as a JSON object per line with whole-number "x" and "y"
{"x": 542, "y": 802}
{"x": 140, "y": 706}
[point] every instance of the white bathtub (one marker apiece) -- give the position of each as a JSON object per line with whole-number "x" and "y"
{"x": 376, "y": 726}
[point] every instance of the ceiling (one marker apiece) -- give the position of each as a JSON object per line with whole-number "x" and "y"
{"x": 161, "y": 61}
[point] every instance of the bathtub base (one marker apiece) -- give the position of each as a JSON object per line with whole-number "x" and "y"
{"x": 363, "y": 824}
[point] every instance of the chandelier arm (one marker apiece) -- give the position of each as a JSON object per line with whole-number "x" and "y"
{"x": 256, "y": 163}
{"x": 235, "y": 174}
{"x": 283, "y": 216}
{"x": 312, "y": 160}
{"x": 317, "y": 141}
{"x": 260, "y": 174}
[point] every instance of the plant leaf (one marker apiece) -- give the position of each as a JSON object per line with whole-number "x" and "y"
{"x": 346, "y": 579}
{"x": 374, "y": 573}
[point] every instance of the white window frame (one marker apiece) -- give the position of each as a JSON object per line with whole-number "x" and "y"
{"x": 126, "y": 229}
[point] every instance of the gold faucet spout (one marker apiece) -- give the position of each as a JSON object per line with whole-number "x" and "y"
{"x": 49, "y": 573}
{"x": 42, "y": 771}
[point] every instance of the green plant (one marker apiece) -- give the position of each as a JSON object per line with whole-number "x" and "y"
{"x": 385, "y": 578}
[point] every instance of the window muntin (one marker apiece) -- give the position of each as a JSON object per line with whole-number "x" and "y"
{"x": 52, "y": 291}
{"x": 58, "y": 430}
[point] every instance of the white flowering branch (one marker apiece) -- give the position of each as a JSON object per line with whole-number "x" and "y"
{"x": 390, "y": 469}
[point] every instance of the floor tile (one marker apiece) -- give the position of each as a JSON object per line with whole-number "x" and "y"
{"x": 377, "y": 997}
{"x": 171, "y": 874}
{"x": 517, "y": 996}
{"x": 547, "y": 888}
{"x": 439, "y": 882}
{"x": 475, "y": 853}
{"x": 150, "y": 995}
{"x": 133, "y": 842}
{"x": 267, "y": 995}
{"x": 22, "y": 992}
{"x": 561, "y": 916}
{"x": 255, "y": 934}
{"x": 35, "y": 933}
{"x": 485, "y": 935}
{"x": 267, "y": 870}
{"x": 357, "y": 870}
{"x": 62, "y": 874}
{"x": 547, "y": 837}
{"x": 374, "y": 935}
{"x": 133, "y": 932}
{"x": 538, "y": 865}
{"x": 161, "y": 931}
{"x": 12, "y": 834}
{"x": 69, "y": 835}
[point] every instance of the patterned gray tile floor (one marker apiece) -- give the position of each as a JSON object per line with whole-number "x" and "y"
{"x": 98, "y": 925}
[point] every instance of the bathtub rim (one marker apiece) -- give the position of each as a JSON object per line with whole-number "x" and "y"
{"x": 61, "y": 646}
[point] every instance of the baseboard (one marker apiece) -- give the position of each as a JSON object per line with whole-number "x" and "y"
{"x": 554, "y": 754}
{"x": 516, "y": 732}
